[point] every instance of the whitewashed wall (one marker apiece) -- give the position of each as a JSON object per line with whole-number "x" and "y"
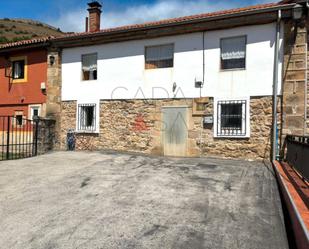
{"x": 122, "y": 75}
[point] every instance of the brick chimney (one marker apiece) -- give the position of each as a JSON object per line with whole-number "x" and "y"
{"x": 94, "y": 16}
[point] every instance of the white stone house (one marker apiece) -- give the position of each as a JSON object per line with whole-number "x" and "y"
{"x": 193, "y": 86}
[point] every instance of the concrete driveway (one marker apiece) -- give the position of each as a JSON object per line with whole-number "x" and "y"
{"x": 108, "y": 200}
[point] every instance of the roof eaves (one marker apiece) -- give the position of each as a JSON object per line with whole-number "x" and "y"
{"x": 25, "y": 43}
{"x": 179, "y": 21}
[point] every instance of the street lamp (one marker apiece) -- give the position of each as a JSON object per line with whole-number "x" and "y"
{"x": 51, "y": 60}
{"x": 297, "y": 12}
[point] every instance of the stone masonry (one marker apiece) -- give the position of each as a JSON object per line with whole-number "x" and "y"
{"x": 294, "y": 78}
{"x": 46, "y": 135}
{"x": 135, "y": 125}
{"x": 53, "y": 101}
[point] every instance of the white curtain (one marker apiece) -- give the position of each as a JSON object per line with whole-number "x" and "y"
{"x": 163, "y": 52}
{"x": 233, "y": 48}
{"x": 17, "y": 70}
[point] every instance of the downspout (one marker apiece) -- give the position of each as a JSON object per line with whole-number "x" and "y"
{"x": 203, "y": 82}
{"x": 275, "y": 89}
{"x": 204, "y": 57}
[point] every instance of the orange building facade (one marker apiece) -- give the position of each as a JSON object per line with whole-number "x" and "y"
{"x": 23, "y": 77}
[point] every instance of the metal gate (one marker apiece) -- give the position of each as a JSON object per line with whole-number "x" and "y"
{"x": 175, "y": 131}
{"x": 18, "y": 137}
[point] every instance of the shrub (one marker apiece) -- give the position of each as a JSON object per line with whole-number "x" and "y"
{"x": 3, "y": 39}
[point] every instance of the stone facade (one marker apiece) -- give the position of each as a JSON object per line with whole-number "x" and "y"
{"x": 46, "y": 135}
{"x": 295, "y": 78}
{"x": 53, "y": 101}
{"x": 136, "y": 125}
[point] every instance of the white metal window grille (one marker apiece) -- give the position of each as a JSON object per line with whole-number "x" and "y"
{"x": 233, "y": 53}
{"x": 89, "y": 66}
{"x": 231, "y": 118}
{"x": 161, "y": 56}
{"x": 87, "y": 117}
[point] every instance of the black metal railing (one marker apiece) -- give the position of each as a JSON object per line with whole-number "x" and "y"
{"x": 87, "y": 117}
{"x": 296, "y": 154}
{"x": 18, "y": 137}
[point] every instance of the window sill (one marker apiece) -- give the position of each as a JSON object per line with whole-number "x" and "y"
{"x": 231, "y": 70}
{"x": 160, "y": 68}
{"x": 89, "y": 80}
{"x": 226, "y": 136}
{"x": 16, "y": 81}
{"x": 86, "y": 132}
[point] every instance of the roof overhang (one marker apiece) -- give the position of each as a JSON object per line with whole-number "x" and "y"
{"x": 226, "y": 21}
{"x": 20, "y": 48}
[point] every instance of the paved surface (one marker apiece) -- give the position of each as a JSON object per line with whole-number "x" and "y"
{"x": 105, "y": 200}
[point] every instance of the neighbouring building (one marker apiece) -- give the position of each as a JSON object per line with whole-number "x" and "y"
{"x": 23, "y": 77}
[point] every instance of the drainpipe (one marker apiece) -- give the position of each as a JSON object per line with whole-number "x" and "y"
{"x": 275, "y": 89}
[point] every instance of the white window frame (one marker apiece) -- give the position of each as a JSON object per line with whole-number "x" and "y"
{"x": 246, "y": 112}
{"x": 31, "y": 107}
{"x": 96, "y": 129}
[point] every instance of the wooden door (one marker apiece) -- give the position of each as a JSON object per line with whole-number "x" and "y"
{"x": 175, "y": 131}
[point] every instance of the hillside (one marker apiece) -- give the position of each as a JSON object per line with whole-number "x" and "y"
{"x": 21, "y": 29}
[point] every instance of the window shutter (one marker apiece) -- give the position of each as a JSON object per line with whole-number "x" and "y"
{"x": 163, "y": 52}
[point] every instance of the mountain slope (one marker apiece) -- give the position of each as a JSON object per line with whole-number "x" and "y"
{"x": 21, "y": 29}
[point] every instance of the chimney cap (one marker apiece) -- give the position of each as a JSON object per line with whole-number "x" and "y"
{"x": 94, "y": 4}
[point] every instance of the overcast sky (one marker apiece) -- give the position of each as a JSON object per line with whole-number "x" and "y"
{"x": 69, "y": 15}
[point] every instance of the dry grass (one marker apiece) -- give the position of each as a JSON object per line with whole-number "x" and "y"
{"x": 21, "y": 29}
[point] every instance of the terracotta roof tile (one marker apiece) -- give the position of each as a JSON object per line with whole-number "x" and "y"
{"x": 26, "y": 42}
{"x": 144, "y": 25}
{"x": 172, "y": 20}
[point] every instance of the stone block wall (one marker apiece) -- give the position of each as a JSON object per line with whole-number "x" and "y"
{"x": 53, "y": 101}
{"x": 136, "y": 125}
{"x": 294, "y": 78}
{"x": 46, "y": 135}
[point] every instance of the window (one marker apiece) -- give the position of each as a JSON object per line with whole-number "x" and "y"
{"x": 89, "y": 67}
{"x": 19, "y": 120}
{"x": 231, "y": 118}
{"x": 18, "y": 69}
{"x": 233, "y": 53}
{"x": 35, "y": 111}
{"x": 159, "y": 56}
{"x": 87, "y": 117}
